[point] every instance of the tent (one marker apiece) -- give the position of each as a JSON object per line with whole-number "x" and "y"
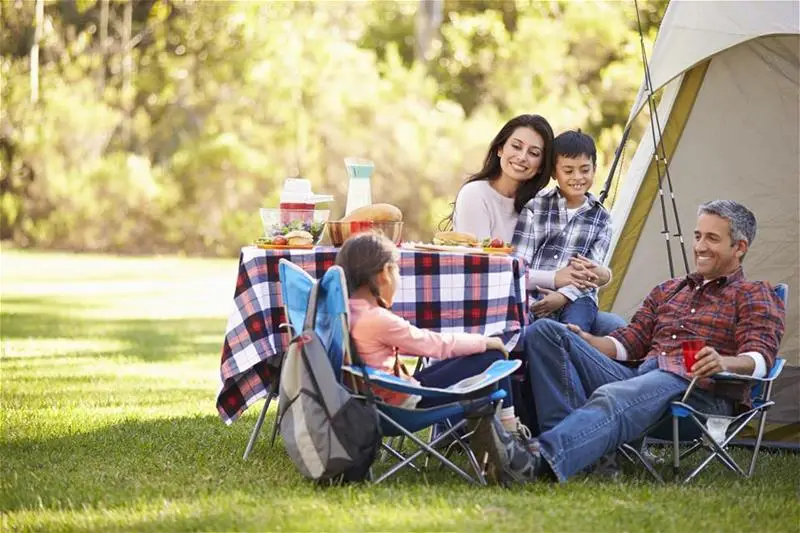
{"x": 726, "y": 78}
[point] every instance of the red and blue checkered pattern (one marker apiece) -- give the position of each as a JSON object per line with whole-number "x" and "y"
{"x": 445, "y": 292}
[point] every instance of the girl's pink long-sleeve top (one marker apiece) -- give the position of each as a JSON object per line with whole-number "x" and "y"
{"x": 380, "y": 336}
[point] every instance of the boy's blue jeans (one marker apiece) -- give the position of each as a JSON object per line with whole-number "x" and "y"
{"x": 588, "y": 404}
{"x": 580, "y": 312}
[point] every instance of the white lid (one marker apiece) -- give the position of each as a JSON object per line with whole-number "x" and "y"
{"x": 298, "y": 190}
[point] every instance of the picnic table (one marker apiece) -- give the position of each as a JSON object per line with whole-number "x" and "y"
{"x": 445, "y": 292}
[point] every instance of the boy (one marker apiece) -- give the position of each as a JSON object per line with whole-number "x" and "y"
{"x": 566, "y": 225}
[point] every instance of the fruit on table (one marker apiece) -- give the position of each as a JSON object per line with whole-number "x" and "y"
{"x": 375, "y": 213}
{"x": 280, "y": 240}
{"x": 495, "y": 243}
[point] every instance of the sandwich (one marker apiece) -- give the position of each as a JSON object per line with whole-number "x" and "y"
{"x": 455, "y": 238}
{"x": 299, "y": 238}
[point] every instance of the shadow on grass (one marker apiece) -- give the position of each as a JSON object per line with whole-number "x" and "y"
{"x": 146, "y": 339}
{"x": 181, "y": 458}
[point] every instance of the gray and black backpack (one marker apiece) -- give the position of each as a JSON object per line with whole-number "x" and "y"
{"x": 329, "y": 434}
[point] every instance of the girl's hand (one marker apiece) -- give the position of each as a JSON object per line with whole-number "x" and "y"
{"x": 577, "y": 273}
{"x": 495, "y": 343}
{"x": 552, "y": 302}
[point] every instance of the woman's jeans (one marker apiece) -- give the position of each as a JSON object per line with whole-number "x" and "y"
{"x": 442, "y": 374}
{"x": 588, "y": 405}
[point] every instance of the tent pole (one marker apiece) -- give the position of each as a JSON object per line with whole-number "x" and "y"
{"x": 617, "y": 157}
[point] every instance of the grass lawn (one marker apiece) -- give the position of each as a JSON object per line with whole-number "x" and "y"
{"x": 109, "y": 378}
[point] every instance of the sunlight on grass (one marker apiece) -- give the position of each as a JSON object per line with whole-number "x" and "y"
{"x": 38, "y": 347}
{"x": 110, "y": 369}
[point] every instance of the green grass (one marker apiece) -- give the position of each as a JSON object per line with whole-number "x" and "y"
{"x": 109, "y": 378}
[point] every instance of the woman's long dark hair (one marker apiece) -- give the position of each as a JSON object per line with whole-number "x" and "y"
{"x": 362, "y": 257}
{"x": 491, "y": 163}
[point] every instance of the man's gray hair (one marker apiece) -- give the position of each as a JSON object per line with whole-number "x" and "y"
{"x": 741, "y": 220}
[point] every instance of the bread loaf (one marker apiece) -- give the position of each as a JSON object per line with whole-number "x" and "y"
{"x": 375, "y": 213}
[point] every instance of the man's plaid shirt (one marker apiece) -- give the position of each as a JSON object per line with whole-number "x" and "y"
{"x": 731, "y": 314}
{"x": 545, "y": 240}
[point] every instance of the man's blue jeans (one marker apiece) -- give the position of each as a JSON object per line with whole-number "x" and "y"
{"x": 588, "y": 404}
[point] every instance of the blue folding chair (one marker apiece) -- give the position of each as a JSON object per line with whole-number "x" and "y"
{"x": 474, "y": 397}
{"x": 696, "y": 427}
{"x": 296, "y": 286}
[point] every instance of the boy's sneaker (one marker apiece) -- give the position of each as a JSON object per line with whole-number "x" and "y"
{"x": 503, "y": 458}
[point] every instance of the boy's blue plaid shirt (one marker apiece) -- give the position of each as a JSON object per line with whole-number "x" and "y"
{"x": 544, "y": 239}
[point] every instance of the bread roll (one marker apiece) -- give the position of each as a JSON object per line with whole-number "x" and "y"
{"x": 375, "y": 213}
{"x": 299, "y": 238}
{"x": 455, "y": 238}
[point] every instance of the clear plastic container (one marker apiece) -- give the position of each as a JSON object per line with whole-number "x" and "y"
{"x": 359, "y": 190}
{"x": 298, "y": 202}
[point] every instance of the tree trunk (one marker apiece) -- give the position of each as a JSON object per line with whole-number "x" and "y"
{"x": 428, "y": 21}
{"x": 103, "y": 45}
{"x": 127, "y": 71}
{"x": 37, "y": 37}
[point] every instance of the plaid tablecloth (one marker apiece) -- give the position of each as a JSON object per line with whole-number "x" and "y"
{"x": 439, "y": 291}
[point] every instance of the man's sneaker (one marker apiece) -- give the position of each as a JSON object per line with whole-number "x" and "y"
{"x": 519, "y": 430}
{"x": 607, "y": 467}
{"x": 503, "y": 458}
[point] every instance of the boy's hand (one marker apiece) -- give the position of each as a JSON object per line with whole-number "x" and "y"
{"x": 576, "y": 274}
{"x": 495, "y": 343}
{"x": 602, "y": 274}
{"x": 549, "y": 304}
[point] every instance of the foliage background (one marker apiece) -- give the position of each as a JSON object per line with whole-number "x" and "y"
{"x": 170, "y": 133}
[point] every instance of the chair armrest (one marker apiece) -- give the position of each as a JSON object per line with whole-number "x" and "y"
{"x": 494, "y": 373}
{"x": 774, "y": 372}
{"x": 730, "y": 376}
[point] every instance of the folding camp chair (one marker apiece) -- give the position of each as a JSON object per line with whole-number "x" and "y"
{"x": 476, "y": 396}
{"x": 713, "y": 433}
{"x": 296, "y": 286}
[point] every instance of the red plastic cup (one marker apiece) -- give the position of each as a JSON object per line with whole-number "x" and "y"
{"x": 690, "y": 349}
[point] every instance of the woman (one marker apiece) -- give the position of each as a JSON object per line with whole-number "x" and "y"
{"x": 517, "y": 166}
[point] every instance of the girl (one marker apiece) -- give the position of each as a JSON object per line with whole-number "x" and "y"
{"x": 370, "y": 263}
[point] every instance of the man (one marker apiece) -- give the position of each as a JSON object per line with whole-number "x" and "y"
{"x": 588, "y": 404}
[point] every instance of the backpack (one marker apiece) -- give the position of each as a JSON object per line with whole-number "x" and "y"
{"x": 328, "y": 433}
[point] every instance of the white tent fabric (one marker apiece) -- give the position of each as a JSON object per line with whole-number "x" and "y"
{"x": 692, "y": 31}
{"x": 738, "y": 137}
